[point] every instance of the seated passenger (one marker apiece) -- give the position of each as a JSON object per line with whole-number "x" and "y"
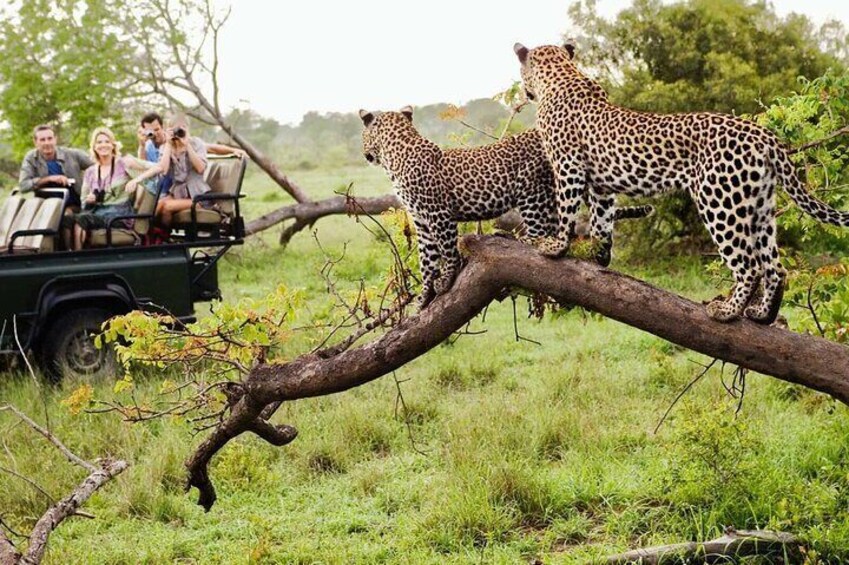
{"x": 50, "y": 166}
{"x": 184, "y": 160}
{"x": 152, "y": 138}
{"x": 108, "y": 186}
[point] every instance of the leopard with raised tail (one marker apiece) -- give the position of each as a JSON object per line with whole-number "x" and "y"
{"x": 729, "y": 166}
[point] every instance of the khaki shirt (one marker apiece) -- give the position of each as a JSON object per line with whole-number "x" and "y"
{"x": 73, "y": 162}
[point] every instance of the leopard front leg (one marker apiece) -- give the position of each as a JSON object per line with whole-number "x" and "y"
{"x": 428, "y": 261}
{"x": 445, "y": 234}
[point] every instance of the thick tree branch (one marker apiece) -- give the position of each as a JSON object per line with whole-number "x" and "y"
{"x": 8, "y": 553}
{"x": 731, "y": 546}
{"x": 493, "y": 264}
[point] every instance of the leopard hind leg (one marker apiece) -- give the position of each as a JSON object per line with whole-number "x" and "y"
{"x": 730, "y": 227}
{"x": 765, "y": 310}
{"x": 602, "y": 216}
{"x": 539, "y": 216}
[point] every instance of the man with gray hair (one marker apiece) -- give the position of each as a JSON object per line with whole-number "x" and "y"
{"x": 49, "y": 165}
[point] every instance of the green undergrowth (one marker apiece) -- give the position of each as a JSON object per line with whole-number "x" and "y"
{"x": 503, "y": 451}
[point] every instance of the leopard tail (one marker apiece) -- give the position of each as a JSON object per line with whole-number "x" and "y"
{"x": 632, "y": 212}
{"x": 785, "y": 171}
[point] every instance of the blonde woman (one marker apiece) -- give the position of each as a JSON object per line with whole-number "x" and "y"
{"x": 108, "y": 186}
{"x": 184, "y": 158}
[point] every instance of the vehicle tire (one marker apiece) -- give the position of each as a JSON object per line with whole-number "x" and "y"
{"x": 67, "y": 349}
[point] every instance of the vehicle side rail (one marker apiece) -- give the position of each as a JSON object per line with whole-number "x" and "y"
{"x": 24, "y": 233}
{"x": 109, "y": 226}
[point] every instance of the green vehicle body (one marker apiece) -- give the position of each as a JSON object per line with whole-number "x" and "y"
{"x": 51, "y": 303}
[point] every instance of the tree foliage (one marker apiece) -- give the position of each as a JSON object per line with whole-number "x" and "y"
{"x": 706, "y": 55}
{"x": 64, "y": 63}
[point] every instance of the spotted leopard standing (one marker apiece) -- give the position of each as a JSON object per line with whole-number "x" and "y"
{"x": 729, "y": 166}
{"x": 442, "y": 187}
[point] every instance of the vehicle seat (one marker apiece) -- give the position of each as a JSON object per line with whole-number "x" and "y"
{"x": 121, "y": 236}
{"x": 7, "y": 216}
{"x": 224, "y": 176}
{"x": 48, "y": 217}
{"x": 23, "y": 219}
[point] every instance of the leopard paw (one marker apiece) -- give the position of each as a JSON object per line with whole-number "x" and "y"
{"x": 761, "y": 314}
{"x": 552, "y": 247}
{"x": 443, "y": 283}
{"x": 425, "y": 298}
{"x": 721, "y": 311}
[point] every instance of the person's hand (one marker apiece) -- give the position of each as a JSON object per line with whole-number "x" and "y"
{"x": 240, "y": 153}
{"x": 131, "y": 186}
{"x": 173, "y": 139}
{"x": 61, "y": 180}
{"x": 142, "y": 136}
{"x": 90, "y": 198}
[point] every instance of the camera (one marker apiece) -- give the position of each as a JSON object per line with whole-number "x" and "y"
{"x": 180, "y": 132}
{"x": 148, "y": 133}
{"x": 99, "y": 195}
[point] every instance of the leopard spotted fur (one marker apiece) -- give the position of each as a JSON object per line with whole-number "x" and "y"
{"x": 729, "y": 166}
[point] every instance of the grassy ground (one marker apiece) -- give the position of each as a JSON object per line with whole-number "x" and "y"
{"x": 508, "y": 452}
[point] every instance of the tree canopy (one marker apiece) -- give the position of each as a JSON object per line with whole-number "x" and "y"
{"x": 712, "y": 55}
{"x": 64, "y": 63}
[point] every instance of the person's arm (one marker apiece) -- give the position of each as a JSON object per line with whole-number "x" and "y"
{"x": 197, "y": 159}
{"x": 148, "y": 170}
{"x": 134, "y": 164}
{"x": 219, "y": 149}
{"x": 165, "y": 158}
{"x": 86, "y": 195}
{"x": 28, "y": 176}
{"x": 142, "y": 151}
{"x": 84, "y": 159}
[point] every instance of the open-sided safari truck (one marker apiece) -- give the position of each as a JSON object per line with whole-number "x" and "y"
{"x": 53, "y": 301}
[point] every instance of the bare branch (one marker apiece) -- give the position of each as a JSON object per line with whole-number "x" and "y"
{"x": 805, "y": 146}
{"x": 76, "y": 460}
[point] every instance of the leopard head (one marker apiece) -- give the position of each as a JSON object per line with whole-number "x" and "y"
{"x": 382, "y": 128}
{"x": 539, "y": 63}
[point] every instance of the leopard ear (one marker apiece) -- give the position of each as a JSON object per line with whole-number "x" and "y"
{"x": 521, "y": 51}
{"x": 367, "y": 117}
{"x": 408, "y": 112}
{"x": 569, "y": 45}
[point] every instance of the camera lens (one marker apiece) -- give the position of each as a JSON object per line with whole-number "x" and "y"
{"x": 148, "y": 133}
{"x": 180, "y": 132}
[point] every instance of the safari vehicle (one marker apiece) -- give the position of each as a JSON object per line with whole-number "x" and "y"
{"x": 51, "y": 301}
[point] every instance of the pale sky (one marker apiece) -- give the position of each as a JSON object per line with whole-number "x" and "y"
{"x": 288, "y": 58}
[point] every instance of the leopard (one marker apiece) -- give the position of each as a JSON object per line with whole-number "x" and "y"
{"x": 441, "y": 187}
{"x": 728, "y": 165}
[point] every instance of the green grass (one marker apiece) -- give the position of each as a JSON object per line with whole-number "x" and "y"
{"x": 508, "y": 452}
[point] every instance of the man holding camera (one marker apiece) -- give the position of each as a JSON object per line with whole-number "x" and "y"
{"x": 152, "y": 136}
{"x": 49, "y": 165}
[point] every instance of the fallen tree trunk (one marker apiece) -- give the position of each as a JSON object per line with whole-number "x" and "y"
{"x": 308, "y": 212}
{"x": 495, "y": 263}
{"x": 779, "y": 547}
